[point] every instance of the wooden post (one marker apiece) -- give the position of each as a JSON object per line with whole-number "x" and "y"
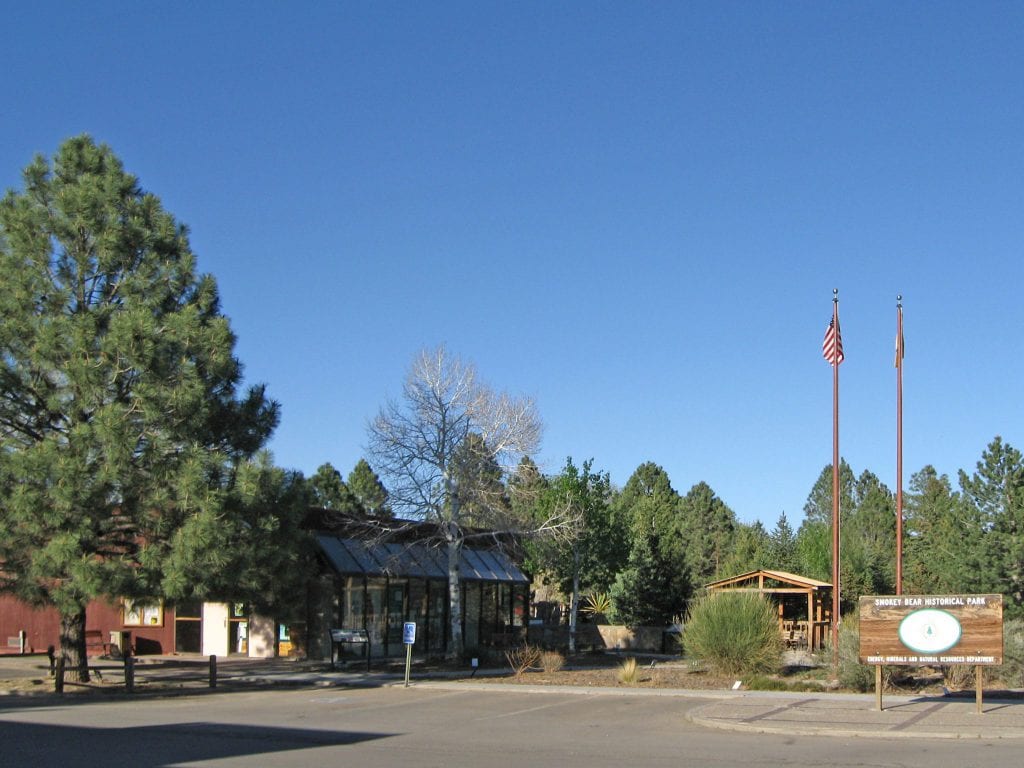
{"x": 129, "y": 674}
{"x": 58, "y": 675}
{"x": 213, "y": 670}
{"x": 878, "y": 687}
{"x": 977, "y": 689}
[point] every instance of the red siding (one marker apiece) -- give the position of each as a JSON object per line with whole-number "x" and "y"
{"x": 42, "y": 626}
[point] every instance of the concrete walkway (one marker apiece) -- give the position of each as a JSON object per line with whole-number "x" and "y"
{"x": 921, "y": 717}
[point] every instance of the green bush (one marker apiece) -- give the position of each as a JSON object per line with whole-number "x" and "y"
{"x": 734, "y": 632}
{"x": 852, "y": 674}
{"x": 1012, "y": 671}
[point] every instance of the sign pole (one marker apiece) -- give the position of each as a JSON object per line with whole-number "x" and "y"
{"x": 409, "y": 638}
{"x": 977, "y": 689}
{"x": 878, "y": 687}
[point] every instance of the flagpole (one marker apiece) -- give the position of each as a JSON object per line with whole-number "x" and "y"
{"x": 835, "y": 485}
{"x": 899, "y": 445}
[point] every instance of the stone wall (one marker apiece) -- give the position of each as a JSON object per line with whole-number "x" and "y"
{"x": 601, "y": 637}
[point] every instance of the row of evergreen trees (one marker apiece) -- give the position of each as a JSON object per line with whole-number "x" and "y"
{"x": 651, "y": 548}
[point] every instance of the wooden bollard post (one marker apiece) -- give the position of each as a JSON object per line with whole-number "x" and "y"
{"x": 58, "y": 676}
{"x": 213, "y": 671}
{"x": 129, "y": 674}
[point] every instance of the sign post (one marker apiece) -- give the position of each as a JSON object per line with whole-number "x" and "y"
{"x": 918, "y": 630}
{"x": 409, "y": 638}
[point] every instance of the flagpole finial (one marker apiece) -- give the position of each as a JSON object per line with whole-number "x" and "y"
{"x": 835, "y": 294}
{"x": 899, "y": 300}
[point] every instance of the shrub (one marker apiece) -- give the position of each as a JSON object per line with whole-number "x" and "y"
{"x": 522, "y": 657}
{"x": 734, "y": 632}
{"x": 552, "y": 661}
{"x": 629, "y": 671}
{"x": 1012, "y": 671}
{"x": 958, "y": 677}
{"x": 852, "y": 674}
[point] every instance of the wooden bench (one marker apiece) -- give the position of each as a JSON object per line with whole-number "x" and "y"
{"x": 94, "y": 640}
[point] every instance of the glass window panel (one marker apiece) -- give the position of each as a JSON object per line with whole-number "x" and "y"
{"x": 471, "y": 610}
{"x": 375, "y": 616}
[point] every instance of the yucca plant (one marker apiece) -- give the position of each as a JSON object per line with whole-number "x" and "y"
{"x": 734, "y": 632}
{"x": 597, "y": 604}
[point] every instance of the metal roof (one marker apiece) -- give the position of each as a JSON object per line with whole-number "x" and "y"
{"x": 351, "y": 557}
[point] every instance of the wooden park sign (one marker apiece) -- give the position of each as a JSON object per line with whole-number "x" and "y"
{"x": 931, "y": 629}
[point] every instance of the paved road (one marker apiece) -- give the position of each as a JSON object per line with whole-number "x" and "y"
{"x": 422, "y": 726}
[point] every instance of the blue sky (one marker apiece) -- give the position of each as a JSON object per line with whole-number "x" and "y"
{"x": 634, "y": 212}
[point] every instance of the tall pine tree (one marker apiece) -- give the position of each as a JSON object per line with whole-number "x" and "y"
{"x": 121, "y": 427}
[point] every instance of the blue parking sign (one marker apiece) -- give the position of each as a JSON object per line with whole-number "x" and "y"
{"x": 409, "y": 633}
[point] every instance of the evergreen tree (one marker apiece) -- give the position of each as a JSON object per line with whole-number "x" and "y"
{"x": 121, "y": 430}
{"x": 650, "y": 510}
{"x": 710, "y": 526}
{"x": 869, "y": 540}
{"x": 369, "y": 490}
{"x": 996, "y": 493}
{"x": 814, "y": 550}
{"x": 479, "y": 482}
{"x": 649, "y": 504}
{"x": 782, "y": 546}
{"x": 945, "y": 548}
{"x": 818, "y": 508}
{"x": 752, "y": 548}
{"x": 329, "y": 491}
{"x": 649, "y": 591}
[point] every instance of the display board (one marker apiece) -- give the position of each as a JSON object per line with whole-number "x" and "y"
{"x": 931, "y": 629}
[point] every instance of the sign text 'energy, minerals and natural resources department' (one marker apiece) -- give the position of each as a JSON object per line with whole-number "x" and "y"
{"x": 931, "y": 629}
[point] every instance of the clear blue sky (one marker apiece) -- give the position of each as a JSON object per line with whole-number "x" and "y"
{"x": 634, "y": 212}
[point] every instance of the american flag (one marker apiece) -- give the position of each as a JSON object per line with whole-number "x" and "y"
{"x": 832, "y": 346}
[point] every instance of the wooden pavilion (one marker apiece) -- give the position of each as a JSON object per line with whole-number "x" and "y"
{"x": 804, "y": 604}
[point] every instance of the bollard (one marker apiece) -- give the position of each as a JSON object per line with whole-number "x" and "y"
{"x": 129, "y": 674}
{"x": 213, "y": 671}
{"x": 58, "y": 676}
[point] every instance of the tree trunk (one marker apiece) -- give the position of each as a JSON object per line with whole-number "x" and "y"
{"x": 454, "y": 597}
{"x": 574, "y": 609}
{"x": 574, "y": 599}
{"x": 72, "y": 645}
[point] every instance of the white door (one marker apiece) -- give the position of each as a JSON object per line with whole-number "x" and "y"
{"x": 215, "y": 629}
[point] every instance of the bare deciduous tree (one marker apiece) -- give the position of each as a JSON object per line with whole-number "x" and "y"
{"x": 445, "y": 449}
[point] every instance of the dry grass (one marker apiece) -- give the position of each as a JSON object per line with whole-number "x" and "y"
{"x": 629, "y": 671}
{"x": 552, "y": 661}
